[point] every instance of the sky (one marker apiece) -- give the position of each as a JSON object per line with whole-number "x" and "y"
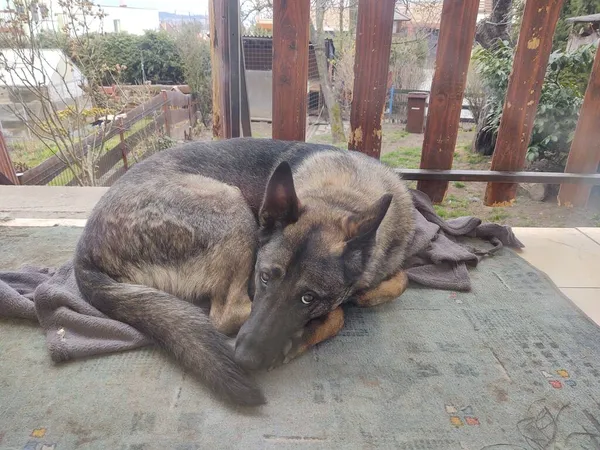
{"x": 172, "y": 6}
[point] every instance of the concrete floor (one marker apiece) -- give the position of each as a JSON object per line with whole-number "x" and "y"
{"x": 569, "y": 256}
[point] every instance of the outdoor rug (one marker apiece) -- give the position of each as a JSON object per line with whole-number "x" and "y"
{"x": 513, "y": 364}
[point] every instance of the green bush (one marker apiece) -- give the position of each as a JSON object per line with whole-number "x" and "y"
{"x": 560, "y": 102}
{"x": 124, "y": 58}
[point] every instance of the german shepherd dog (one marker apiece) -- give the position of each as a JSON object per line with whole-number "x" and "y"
{"x": 270, "y": 236}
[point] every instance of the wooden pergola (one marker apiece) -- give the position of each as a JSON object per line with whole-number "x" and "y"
{"x": 373, "y": 42}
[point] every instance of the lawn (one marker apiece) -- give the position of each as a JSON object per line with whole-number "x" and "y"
{"x": 403, "y": 150}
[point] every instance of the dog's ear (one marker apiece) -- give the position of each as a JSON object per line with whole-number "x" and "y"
{"x": 280, "y": 204}
{"x": 360, "y": 230}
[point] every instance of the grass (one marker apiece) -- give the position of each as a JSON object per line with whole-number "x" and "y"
{"x": 459, "y": 185}
{"x": 325, "y": 138}
{"x": 475, "y": 158}
{"x": 596, "y": 219}
{"x": 498, "y": 215}
{"x": 452, "y": 207}
{"x": 29, "y": 154}
{"x": 407, "y": 158}
{"x": 394, "y": 135}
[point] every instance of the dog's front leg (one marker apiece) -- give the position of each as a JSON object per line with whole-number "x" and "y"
{"x": 317, "y": 330}
{"x": 386, "y": 291}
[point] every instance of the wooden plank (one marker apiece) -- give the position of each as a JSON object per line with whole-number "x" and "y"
{"x": 46, "y": 170}
{"x": 6, "y": 167}
{"x": 177, "y": 99}
{"x": 123, "y": 144}
{"x": 371, "y": 68}
{"x": 245, "y": 106}
{"x": 179, "y": 115}
{"x": 523, "y": 95}
{"x": 233, "y": 20}
{"x": 219, "y": 55}
{"x": 584, "y": 156}
{"x": 457, "y": 34}
{"x": 499, "y": 177}
{"x": 118, "y": 173}
{"x": 166, "y": 110}
{"x": 150, "y": 105}
{"x": 5, "y": 181}
{"x": 114, "y": 155}
{"x": 290, "y": 68}
{"x": 52, "y": 167}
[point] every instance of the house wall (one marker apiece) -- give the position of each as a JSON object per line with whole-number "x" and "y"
{"x": 123, "y": 19}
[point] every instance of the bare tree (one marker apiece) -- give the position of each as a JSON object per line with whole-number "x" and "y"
{"x": 50, "y": 95}
{"x": 250, "y": 9}
{"x": 317, "y": 36}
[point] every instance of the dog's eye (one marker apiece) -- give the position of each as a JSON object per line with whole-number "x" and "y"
{"x": 308, "y": 298}
{"x": 264, "y": 277}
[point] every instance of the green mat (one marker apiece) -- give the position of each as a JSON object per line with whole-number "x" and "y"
{"x": 511, "y": 365}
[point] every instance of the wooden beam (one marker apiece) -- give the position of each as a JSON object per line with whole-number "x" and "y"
{"x": 455, "y": 42}
{"x": 245, "y": 104}
{"x": 6, "y": 167}
{"x": 219, "y": 56}
{"x": 371, "y": 67}
{"x": 484, "y": 176}
{"x": 233, "y": 19}
{"x": 290, "y": 68}
{"x": 584, "y": 156}
{"x": 523, "y": 95}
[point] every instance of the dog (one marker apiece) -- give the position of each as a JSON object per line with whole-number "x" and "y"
{"x": 261, "y": 238}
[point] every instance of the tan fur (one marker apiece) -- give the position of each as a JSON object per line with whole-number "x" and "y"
{"x": 386, "y": 291}
{"x": 329, "y": 178}
{"x": 321, "y": 329}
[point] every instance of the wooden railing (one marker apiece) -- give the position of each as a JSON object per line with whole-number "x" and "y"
{"x": 165, "y": 110}
{"x": 456, "y": 37}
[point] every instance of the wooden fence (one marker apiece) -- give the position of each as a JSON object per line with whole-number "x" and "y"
{"x": 164, "y": 110}
{"x": 457, "y": 32}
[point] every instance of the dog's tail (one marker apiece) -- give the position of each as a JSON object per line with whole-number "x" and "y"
{"x": 180, "y": 328}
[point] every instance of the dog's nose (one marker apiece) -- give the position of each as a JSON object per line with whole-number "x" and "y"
{"x": 246, "y": 357}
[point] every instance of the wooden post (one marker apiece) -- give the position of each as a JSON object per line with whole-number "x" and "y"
{"x": 584, "y": 156}
{"x": 290, "y": 68}
{"x": 233, "y": 21}
{"x": 123, "y": 143}
{"x": 219, "y": 55}
{"x": 6, "y": 166}
{"x": 371, "y": 67}
{"x": 457, "y": 33}
{"x": 245, "y": 106}
{"x": 523, "y": 95}
{"x": 166, "y": 112}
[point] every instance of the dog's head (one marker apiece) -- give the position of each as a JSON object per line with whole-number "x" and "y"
{"x": 309, "y": 259}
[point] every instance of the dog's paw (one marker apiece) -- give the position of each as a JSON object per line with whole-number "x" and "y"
{"x": 292, "y": 349}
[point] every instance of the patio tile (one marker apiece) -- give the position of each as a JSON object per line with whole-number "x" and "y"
{"x": 568, "y": 256}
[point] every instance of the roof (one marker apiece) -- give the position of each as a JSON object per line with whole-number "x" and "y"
{"x": 47, "y": 65}
{"x": 427, "y": 14}
{"x": 588, "y": 18}
{"x": 401, "y": 17}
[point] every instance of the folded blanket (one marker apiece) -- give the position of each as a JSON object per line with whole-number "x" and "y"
{"x": 439, "y": 255}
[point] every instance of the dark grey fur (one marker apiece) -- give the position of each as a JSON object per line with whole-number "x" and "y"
{"x": 175, "y": 246}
